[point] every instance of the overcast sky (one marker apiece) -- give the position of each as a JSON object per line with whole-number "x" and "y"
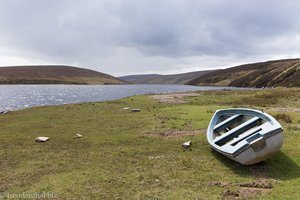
{"x": 123, "y": 37}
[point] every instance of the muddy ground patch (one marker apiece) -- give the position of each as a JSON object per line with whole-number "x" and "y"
{"x": 174, "y": 97}
{"x": 173, "y": 133}
{"x": 246, "y": 190}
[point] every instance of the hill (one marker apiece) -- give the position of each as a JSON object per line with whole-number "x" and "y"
{"x": 54, "y": 74}
{"x": 276, "y": 73}
{"x": 139, "y": 79}
{"x": 164, "y": 79}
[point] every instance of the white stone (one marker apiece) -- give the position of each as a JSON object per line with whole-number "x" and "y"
{"x": 78, "y": 136}
{"x": 135, "y": 110}
{"x": 41, "y": 139}
{"x": 186, "y": 144}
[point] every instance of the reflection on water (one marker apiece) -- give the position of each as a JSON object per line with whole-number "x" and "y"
{"x": 14, "y": 97}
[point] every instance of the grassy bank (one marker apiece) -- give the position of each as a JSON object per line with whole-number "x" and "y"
{"x": 125, "y": 155}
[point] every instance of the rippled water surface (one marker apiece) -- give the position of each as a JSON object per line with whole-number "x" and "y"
{"x": 14, "y": 97}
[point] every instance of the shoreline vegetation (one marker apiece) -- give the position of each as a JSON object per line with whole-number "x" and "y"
{"x": 138, "y": 155}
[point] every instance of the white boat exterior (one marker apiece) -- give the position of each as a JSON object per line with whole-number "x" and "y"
{"x": 245, "y": 135}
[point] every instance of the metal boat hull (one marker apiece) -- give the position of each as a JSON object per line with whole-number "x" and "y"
{"x": 248, "y": 141}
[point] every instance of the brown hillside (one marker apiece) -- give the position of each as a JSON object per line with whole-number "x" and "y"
{"x": 164, "y": 79}
{"x": 54, "y": 74}
{"x": 265, "y": 74}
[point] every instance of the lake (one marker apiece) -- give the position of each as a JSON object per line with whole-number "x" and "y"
{"x": 14, "y": 97}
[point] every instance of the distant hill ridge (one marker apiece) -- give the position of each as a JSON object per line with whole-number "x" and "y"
{"x": 54, "y": 74}
{"x": 275, "y": 73}
{"x": 140, "y": 78}
{"x": 164, "y": 79}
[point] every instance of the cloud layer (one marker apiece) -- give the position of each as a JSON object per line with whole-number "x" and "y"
{"x": 141, "y": 36}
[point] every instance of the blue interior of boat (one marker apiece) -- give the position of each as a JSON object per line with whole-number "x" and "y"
{"x": 235, "y": 142}
{"x": 227, "y": 122}
{"x": 236, "y": 131}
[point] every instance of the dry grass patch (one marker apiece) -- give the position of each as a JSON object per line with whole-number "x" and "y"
{"x": 172, "y": 133}
{"x": 248, "y": 190}
{"x": 283, "y": 117}
{"x": 174, "y": 97}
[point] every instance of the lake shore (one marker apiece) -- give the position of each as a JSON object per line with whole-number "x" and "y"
{"x": 15, "y": 97}
{"x": 138, "y": 155}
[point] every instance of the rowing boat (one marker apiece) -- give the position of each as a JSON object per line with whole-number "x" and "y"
{"x": 247, "y": 136}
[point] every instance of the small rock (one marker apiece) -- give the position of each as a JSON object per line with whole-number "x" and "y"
{"x": 41, "y": 139}
{"x": 126, "y": 108}
{"x": 135, "y": 110}
{"x": 187, "y": 144}
{"x": 77, "y": 136}
{"x": 4, "y": 112}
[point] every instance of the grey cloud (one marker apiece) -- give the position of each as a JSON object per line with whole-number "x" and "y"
{"x": 153, "y": 35}
{"x": 215, "y": 28}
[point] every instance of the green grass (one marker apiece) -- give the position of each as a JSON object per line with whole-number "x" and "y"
{"x": 117, "y": 159}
